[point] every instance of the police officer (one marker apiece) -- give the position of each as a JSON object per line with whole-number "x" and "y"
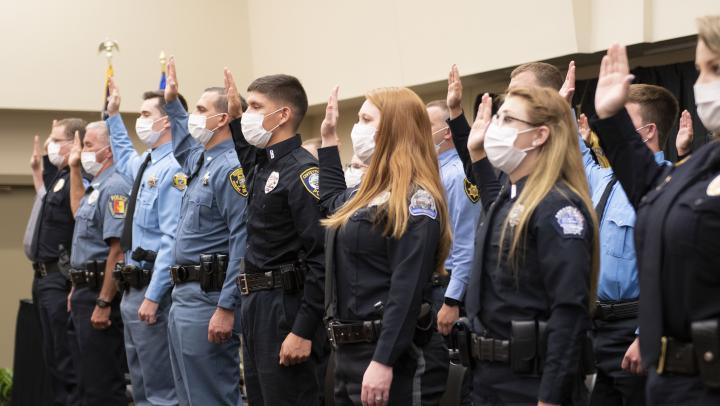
{"x": 95, "y": 305}
{"x": 281, "y": 281}
{"x": 678, "y": 214}
{"x": 53, "y": 230}
{"x": 620, "y": 376}
{"x": 148, "y": 241}
{"x": 379, "y": 260}
{"x": 210, "y": 241}
{"x": 536, "y": 256}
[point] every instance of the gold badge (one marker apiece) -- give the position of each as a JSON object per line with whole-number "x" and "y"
{"x": 471, "y": 190}
{"x": 59, "y": 185}
{"x": 118, "y": 206}
{"x": 237, "y": 181}
{"x": 152, "y": 181}
{"x": 713, "y": 188}
{"x": 180, "y": 181}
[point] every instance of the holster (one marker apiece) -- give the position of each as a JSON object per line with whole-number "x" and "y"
{"x": 524, "y": 344}
{"x": 140, "y": 254}
{"x": 96, "y": 274}
{"x": 120, "y": 281}
{"x": 425, "y": 326}
{"x": 460, "y": 340}
{"x": 214, "y": 269}
{"x": 706, "y": 340}
{"x": 64, "y": 261}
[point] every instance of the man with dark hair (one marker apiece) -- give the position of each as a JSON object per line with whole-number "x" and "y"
{"x": 159, "y": 97}
{"x": 204, "y": 335}
{"x": 536, "y": 74}
{"x": 49, "y": 251}
{"x": 148, "y": 241}
{"x": 653, "y": 106}
{"x": 282, "y": 279}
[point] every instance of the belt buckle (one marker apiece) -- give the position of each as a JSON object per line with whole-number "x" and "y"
{"x": 663, "y": 355}
{"x": 243, "y": 285}
{"x": 331, "y": 334}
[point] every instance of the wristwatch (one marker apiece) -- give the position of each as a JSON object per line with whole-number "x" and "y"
{"x": 101, "y": 303}
{"x": 451, "y": 302}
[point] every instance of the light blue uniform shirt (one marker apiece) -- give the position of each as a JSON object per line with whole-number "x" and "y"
{"x": 464, "y": 211}
{"x": 212, "y": 216}
{"x": 100, "y": 217}
{"x": 618, "y": 265}
{"x": 158, "y": 203}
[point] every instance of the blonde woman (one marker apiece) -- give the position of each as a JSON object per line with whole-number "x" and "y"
{"x": 535, "y": 257}
{"x": 385, "y": 239}
{"x": 676, "y": 234}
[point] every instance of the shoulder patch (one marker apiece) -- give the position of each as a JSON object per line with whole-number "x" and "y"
{"x": 423, "y": 204}
{"x": 471, "y": 190}
{"x": 310, "y": 178}
{"x": 570, "y": 221}
{"x": 179, "y": 181}
{"x": 237, "y": 181}
{"x": 118, "y": 206}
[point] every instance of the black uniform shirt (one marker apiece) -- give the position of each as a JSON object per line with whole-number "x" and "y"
{"x": 284, "y": 217}
{"x": 677, "y": 229}
{"x": 55, "y": 223}
{"x": 550, "y": 282}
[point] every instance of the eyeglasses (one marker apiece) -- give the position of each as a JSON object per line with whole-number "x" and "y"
{"x": 505, "y": 119}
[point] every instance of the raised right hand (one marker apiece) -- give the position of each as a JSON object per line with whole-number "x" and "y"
{"x": 328, "y": 128}
{"x": 476, "y": 139}
{"x": 233, "y": 96}
{"x": 113, "y": 106}
{"x": 171, "y": 83}
{"x": 36, "y": 157}
{"x": 613, "y": 83}
{"x": 74, "y": 157}
{"x": 454, "y": 94}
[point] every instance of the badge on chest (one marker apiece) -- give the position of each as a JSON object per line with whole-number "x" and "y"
{"x": 59, "y": 185}
{"x": 93, "y": 196}
{"x": 713, "y": 188}
{"x": 272, "y": 182}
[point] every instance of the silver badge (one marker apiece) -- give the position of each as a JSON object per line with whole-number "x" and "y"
{"x": 93, "y": 196}
{"x": 570, "y": 220}
{"x": 713, "y": 188}
{"x": 206, "y": 178}
{"x": 515, "y": 213}
{"x": 272, "y": 182}
{"x": 59, "y": 185}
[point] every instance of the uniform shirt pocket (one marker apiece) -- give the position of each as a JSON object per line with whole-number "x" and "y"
{"x": 200, "y": 211}
{"x": 58, "y": 211}
{"x": 145, "y": 207}
{"x": 85, "y": 218}
{"x": 618, "y": 232}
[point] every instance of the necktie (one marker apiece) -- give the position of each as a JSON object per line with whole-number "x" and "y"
{"x": 126, "y": 239}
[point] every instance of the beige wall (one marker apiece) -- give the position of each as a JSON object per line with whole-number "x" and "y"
{"x": 52, "y": 70}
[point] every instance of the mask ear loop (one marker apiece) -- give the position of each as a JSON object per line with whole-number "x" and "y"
{"x": 279, "y": 124}
{"x": 214, "y": 115}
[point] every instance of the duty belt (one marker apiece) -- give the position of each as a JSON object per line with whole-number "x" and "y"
{"x": 352, "y": 333}
{"x": 92, "y": 276}
{"x": 610, "y": 311}
{"x": 131, "y": 276}
{"x": 252, "y": 279}
{"x": 185, "y": 273}
{"x": 438, "y": 280}
{"x": 677, "y": 357}
{"x": 42, "y": 269}
{"x": 489, "y": 349}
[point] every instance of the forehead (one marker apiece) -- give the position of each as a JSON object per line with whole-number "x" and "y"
{"x": 92, "y": 136}
{"x": 634, "y": 112}
{"x": 258, "y": 98}
{"x": 58, "y": 132}
{"x": 208, "y": 99}
{"x": 435, "y": 113}
{"x": 523, "y": 79}
{"x": 369, "y": 108}
{"x": 703, "y": 54}
{"x": 150, "y": 105}
{"x": 514, "y": 106}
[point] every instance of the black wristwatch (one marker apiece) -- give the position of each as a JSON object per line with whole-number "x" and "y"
{"x": 101, "y": 303}
{"x": 451, "y": 302}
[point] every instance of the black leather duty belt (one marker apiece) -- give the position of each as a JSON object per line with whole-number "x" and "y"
{"x": 286, "y": 277}
{"x": 352, "y": 333}
{"x": 610, "y": 311}
{"x": 43, "y": 269}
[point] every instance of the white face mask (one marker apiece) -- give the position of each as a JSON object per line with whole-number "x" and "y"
{"x": 144, "y": 130}
{"x": 363, "y": 139}
{"x": 707, "y": 99}
{"x": 500, "y": 147}
{"x": 254, "y": 132}
{"x": 353, "y": 176}
{"x": 197, "y": 127}
{"x": 54, "y": 155}
{"x": 90, "y": 163}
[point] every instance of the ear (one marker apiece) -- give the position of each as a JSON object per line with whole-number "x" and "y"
{"x": 224, "y": 120}
{"x": 286, "y": 115}
{"x": 165, "y": 124}
{"x": 541, "y": 136}
{"x": 448, "y": 134}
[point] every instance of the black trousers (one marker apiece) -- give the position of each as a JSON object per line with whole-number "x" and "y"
{"x": 679, "y": 390}
{"x": 495, "y": 384}
{"x": 613, "y": 385}
{"x": 419, "y": 375}
{"x": 267, "y": 318}
{"x": 50, "y": 298}
{"x": 99, "y": 354}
